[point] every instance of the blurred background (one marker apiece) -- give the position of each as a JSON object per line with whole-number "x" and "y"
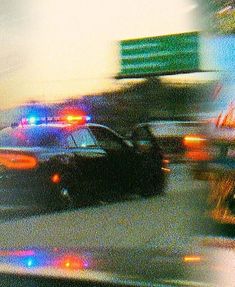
{"x": 167, "y": 64}
{"x": 62, "y": 55}
{"x": 129, "y": 63}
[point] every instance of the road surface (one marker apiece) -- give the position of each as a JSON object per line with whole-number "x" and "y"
{"x": 158, "y": 221}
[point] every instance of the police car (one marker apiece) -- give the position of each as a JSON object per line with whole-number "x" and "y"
{"x": 51, "y": 161}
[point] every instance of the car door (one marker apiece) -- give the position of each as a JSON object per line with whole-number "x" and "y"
{"x": 142, "y": 139}
{"x": 150, "y": 152}
{"x": 89, "y": 161}
{"x": 121, "y": 158}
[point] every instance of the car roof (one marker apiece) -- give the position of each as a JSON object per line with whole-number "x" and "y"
{"x": 168, "y": 123}
{"x": 57, "y": 126}
{"x": 34, "y": 133}
{"x": 53, "y": 128}
{"x": 174, "y": 128}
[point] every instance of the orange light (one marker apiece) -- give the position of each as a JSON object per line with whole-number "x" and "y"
{"x": 196, "y": 148}
{"x": 56, "y": 178}
{"x": 74, "y": 118}
{"x": 70, "y": 262}
{"x": 197, "y": 155}
{"x": 193, "y": 139}
{"x": 192, "y": 258}
{"x": 165, "y": 169}
{"x": 18, "y": 161}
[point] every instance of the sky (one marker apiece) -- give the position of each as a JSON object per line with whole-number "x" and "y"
{"x": 55, "y": 49}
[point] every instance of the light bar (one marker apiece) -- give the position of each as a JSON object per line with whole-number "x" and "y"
{"x": 33, "y": 120}
{"x": 75, "y": 118}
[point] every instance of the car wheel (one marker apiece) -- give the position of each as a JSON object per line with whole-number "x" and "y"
{"x": 69, "y": 194}
{"x": 65, "y": 197}
{"x": 76, "y": 194}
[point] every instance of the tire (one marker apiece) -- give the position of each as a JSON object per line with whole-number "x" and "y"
{"x": 69, "y": 195}
{"x": 77, "y": 193}
{"x": 65, "y": 199}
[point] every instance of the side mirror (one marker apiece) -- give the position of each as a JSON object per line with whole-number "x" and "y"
{"x": 128, "y": 135}
{"x": 143, "y": 145}
{"x": 128, "y": 143}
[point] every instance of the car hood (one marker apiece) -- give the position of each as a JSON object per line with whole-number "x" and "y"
{"x": 193, "y": 265}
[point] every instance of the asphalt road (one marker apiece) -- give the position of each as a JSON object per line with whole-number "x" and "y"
{"x": 158, "y": 221}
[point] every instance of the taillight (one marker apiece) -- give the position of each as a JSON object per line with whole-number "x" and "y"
{"x": 194, "y": 141}
{"x": 196, "y": 147}
{"x": 198, "y": 155}
{"x": 192, "y": 258}
{"x": 18, "y": 161}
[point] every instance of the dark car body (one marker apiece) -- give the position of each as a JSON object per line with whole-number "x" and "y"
{"x": 45, "y": 163}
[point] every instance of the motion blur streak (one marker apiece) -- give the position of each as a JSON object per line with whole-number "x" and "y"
{"x": 18, "y": 161}
{"x": 192, "y": 258}
{"x": 17, "y": 253}
{"x": 193, "y": 139}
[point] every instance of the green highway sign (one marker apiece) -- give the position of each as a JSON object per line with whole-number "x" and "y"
{"x": 162, "y": 55}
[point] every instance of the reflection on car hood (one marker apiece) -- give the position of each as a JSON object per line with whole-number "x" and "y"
{"x": 128, "y": 267}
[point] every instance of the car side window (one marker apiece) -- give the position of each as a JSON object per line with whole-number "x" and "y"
{"x": 83, "y": 138}
{"x": 70, "y": 143}
{"x": 106, "y": 139}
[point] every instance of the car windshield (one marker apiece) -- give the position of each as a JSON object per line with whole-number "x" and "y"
{"x": 117, "y": 156}
{"x": 30, "y": 137}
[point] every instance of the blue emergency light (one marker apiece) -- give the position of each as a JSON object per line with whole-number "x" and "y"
{"x": 69, "y": 119}
{"x": 32, "y": 120}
